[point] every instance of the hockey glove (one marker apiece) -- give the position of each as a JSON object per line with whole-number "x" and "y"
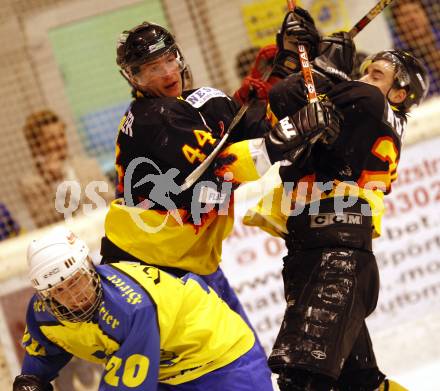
{"x": 336, "y": 56}
{"x": 252, "y": 87}
{"x": 264, "y": 60}
{"x": 30, "y": 383}
{"x": 290, "y": 136}
{"x": 257, "y": 84}
{"x": 297, "y": 27}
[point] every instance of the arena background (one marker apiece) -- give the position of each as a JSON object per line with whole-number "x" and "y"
{"x": 60, "y": 54}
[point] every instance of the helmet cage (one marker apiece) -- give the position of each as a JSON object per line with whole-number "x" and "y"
{"x": 62, "y": 312}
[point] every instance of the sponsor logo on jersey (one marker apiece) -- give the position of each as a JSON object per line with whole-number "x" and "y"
{"x": 130, "y": 295}
{"x": 199, "y": 97}
{"x": 107, "y": 317}
{"x": 325, "y": 219}
{"x": 208, "y": 195}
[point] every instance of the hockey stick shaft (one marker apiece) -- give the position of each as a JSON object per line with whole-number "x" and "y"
{"x": 291, "y": 5}
{"x": 376, "y": 10}
{"x": 201, "y": 168}
{"x": 305, "y": 64}
{"x": 306, "y": 70}
{"x": 311, "y": 91}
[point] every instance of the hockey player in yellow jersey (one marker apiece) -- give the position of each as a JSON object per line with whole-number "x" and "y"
{"x": 150, "y": 330}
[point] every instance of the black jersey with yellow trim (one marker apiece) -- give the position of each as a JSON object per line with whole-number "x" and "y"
{"x": 365, "y": 155}
{"x": 187, "y": 238}
{"x": 161, "y": 134}
{"x": 162, "y": 140}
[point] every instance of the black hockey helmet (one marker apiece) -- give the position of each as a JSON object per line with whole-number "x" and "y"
{"x": 409, "y": 73}
{"x": 144, "y": 43}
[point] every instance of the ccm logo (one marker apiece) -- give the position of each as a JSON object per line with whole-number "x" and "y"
{"x": 325, "y": 219}
{"x": 51, "y": 272}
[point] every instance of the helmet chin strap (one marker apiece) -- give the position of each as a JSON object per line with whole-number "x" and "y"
{"x": 388, "y": 96}
{"x": 394, "y": 105}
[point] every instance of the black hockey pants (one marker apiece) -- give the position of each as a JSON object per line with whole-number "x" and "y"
{"x": 331, "y": 285}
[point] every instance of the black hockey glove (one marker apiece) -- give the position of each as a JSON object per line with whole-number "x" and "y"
{"x": 290, "y": 136}
{"x": 298, "y": 27}
{"x": 30, "y": 383}
{"x": 336, "y": 57}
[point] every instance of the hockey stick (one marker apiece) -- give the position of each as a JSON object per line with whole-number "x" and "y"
{"x": 312, "y": 97}
{"x": 200, "y": 169}
{"x": 376, "y": 10}
{"x": 311, "y": 92}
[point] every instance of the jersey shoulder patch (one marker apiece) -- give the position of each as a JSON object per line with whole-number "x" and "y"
{"x": 200, "y": 96}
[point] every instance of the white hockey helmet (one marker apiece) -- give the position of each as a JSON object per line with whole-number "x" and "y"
{"x": 55, "y": 257}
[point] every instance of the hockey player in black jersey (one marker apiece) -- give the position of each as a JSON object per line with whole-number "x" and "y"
{"x": 168, "y": 131}
{"x": 330, "y": 273}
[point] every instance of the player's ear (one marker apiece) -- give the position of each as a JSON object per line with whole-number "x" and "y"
{"x": 397, "y": 95}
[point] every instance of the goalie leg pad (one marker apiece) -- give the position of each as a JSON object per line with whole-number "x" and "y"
{"x": 329, "y": 293}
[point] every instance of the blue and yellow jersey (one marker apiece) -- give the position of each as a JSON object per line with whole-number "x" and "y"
{"x": 160, "y": 142}
{"x": 150, "y": 327}
{"x": 361, "y": 163}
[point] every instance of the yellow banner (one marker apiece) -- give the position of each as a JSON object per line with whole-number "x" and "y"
{"x": 263, "y": 18}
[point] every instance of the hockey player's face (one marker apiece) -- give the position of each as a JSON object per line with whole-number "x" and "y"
{"x": 161, "y": 77}
{"x": 380, "y": 74}
{"x": 77, "y": 293}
